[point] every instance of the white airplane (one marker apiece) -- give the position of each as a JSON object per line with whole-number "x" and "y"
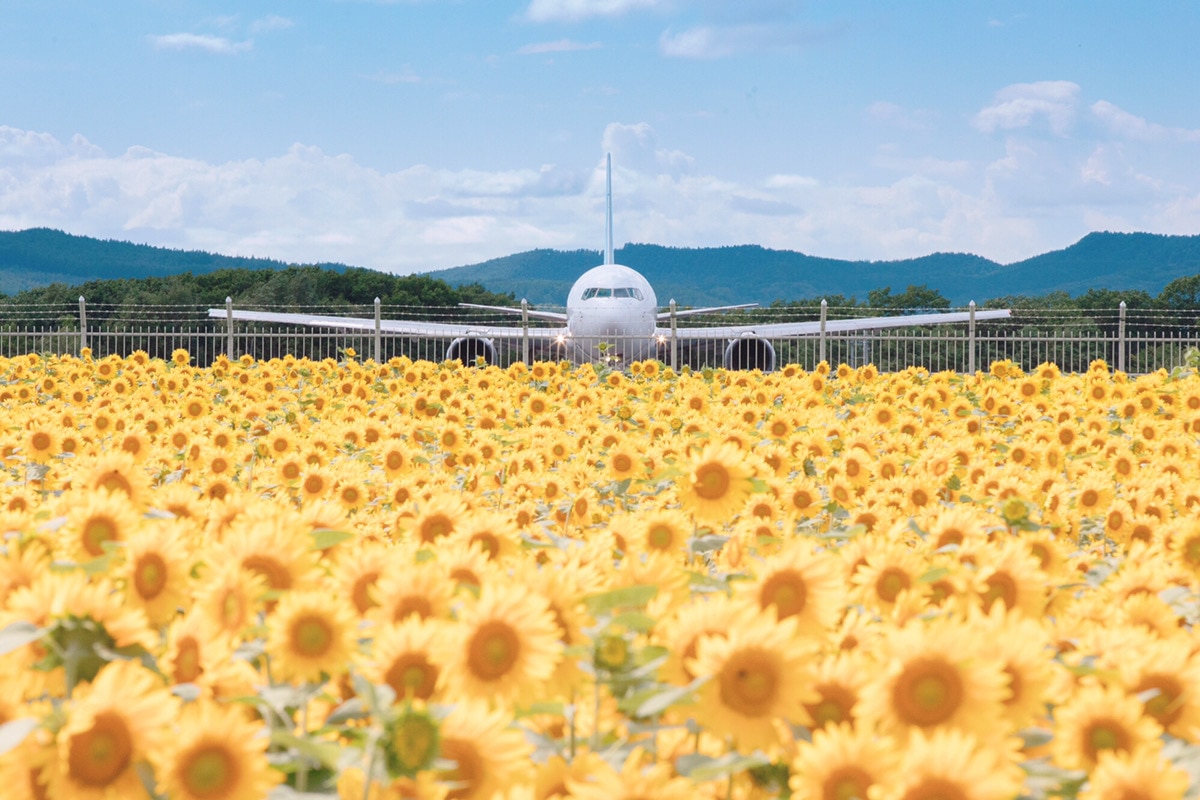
{"x": 611, "y": 314}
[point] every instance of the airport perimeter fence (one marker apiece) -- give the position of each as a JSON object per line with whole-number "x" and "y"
{"x": 1135, "y": 341}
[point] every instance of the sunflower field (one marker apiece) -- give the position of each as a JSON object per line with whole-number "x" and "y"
{"x": 340, "y": 578}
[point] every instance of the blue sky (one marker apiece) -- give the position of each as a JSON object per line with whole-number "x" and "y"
{"x": 425, "y": 134}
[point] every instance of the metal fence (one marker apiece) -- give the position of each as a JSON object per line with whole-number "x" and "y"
{"x": 1136, "y": 341}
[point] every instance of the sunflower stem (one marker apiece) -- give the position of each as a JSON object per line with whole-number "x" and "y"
{"x": 596, "y": 718}
{"x": 571, "y": 734}
{"x": 302, "y": 767}
{"x": 369, "y": 776}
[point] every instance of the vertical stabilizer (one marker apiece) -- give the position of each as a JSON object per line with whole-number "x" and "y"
{"x": 608, "y": 235}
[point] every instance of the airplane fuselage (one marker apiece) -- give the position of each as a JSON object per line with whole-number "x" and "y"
{"x": 612, "y": 310}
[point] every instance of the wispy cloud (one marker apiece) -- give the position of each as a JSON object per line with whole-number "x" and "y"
{"x": 193, "y": 41}
{"x": 575, "y": 10}
{"x": 720, "y": 41}
{"x": 273, "y": 22}
{"x": 304, "y": 205}
{"x": 1130, "y": 126}
{"x": 558, "y": 46}
{"x": 1022, "y": 104}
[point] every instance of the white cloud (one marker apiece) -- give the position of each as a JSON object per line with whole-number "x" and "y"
{"x": 1022, "y": 104}
{"x": 897, "y": 116}
{"x": 636, "y": 147}
{"x": 1129, "y": 126}
{"x": 575, "y": 10}
{"x": 558, "y": 46}
{"x": 272, "y": 22}
{"x": 193, "y": 41}
{"x": 719, "y": 41}
{"x": 306, "y": 205}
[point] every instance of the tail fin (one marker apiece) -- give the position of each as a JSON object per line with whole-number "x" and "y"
{"x": 608, "y": 234}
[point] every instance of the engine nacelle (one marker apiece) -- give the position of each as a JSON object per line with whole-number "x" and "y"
{"x": 749, "y": 352}
{"x": 469, "y": 349}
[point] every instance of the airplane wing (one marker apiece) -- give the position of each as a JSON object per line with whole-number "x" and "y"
{"x": 771, "y": 329}
{"x": 401, "y": 326}
{"x": 680, "y": 313}
{"x": 532, "y": 313}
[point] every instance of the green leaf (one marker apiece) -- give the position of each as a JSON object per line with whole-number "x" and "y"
{"x": 187, "y": 692}
{"x": 325, "y": 538}
{"x": 324, "y": 753}
{"x": 13, "y": 732}
{"x": 935, "y": 574}
{"x": 18, "y": 634}
{"x": 635, "y": 621}
{"x": 661, "y": 701}
{"x": 350, "y": 710}
{"x": 699, "y": 767}
{"x": 625, "y": 597}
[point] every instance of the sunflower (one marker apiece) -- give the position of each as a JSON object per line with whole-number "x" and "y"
{"x": 1145, "y": 775}
{"x": 356, "y": 572}
{"x": 310, "y": 634}
{"x": 1011, "y": 576}
{"x": 951, "y": 764}
{"x": 96, "y": 519}
{"x": 933, "y": 676}
{"x": 192, "y": 651}
{"x": 624, "y": 462}
{"x": 230, "y": 597}
{"x": 760, "y": 672}
{"x": 552, "y": 776}
{"x": 117, "y": 472}
{"x": 403, "y": 657}
{"x": 488, "y": 754}
{"x": 503, "y": 647}
{"x": 663, "y": 530}
{"x": 716, "y": 483}
{"x": 422, "y": 589}
{"x": 842, "y": 762}
{"x": 709, "y": 615}
{"x": 215, "y": 751}
{"x": 1166, "y": 673}
{"x": 437, "y": 518}
{"x": 491, "y": 532}
{"x": 890, "y": 571}
{"x": 156, "y": 570}
{"x": 802, "y": 584}
{"x": 270, "y": 539}
{"x": 111, "y": 726}
{"x": 1100, "y": 719}
{"x": 639, "y": 778}
{"x": 42, "y": 443}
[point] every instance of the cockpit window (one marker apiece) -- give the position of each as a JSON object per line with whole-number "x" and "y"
{"x": 624, "y": 291}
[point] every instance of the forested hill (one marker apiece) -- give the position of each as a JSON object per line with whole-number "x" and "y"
{"x": 41, "y": 256}
{"x": 41, "y": 266}
{"x": 1122, "y": 262}
{"x": 749, "y": 273}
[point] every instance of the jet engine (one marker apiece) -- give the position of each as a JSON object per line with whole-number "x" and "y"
{"x": 749, "y": 352}
{"x": 469, "y": 349}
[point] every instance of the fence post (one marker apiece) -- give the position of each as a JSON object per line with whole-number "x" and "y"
{"x": 378, "y": 333}
{"x": 971, "y": 339}
{"x": 1121, "y": 339}
{"x": 524, "y": 331}
{"x": 229, "y": 327}
{"x": 674, "y": 338}
{"x": 82, "y": 323}
{"x": 824, "y": 318}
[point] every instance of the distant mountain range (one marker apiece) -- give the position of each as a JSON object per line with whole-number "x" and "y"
{"x": 749, "y": 273}
{"x": 691, "y": 276}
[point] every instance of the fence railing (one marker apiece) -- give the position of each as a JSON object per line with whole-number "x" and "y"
{"x": 1136, "y": 341}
